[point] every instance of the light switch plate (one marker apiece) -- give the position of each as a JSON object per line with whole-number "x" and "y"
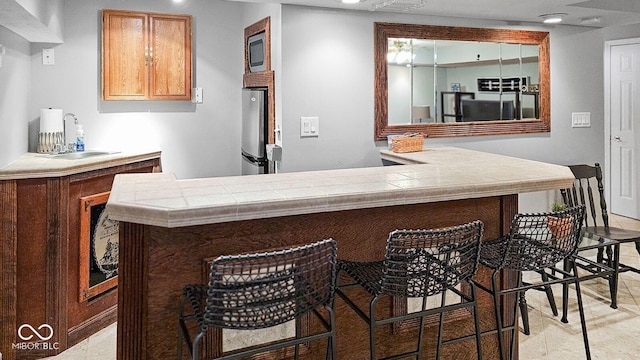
{"x": 48, "y": 57}
{"x": 309, "y": 126}
{"x": 580, "y": 119}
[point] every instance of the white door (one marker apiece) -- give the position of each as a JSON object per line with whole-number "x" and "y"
{"x": 624, "y": 115}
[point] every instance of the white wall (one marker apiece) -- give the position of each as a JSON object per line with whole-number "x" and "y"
{"x": 196, "y": 140}
{"x": 327, "y": 71}
{"x": 324, "y": 67}
{"x": 15, "y": 95}
{"x": 328, "y": 59}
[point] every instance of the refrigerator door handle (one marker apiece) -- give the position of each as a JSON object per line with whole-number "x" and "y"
{"x": 252, "y": 158}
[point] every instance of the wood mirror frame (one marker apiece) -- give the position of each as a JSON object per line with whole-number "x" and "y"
{"x": 384, "y": 31}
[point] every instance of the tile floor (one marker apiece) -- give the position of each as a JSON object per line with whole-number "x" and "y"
{"x": 613, "y": 333}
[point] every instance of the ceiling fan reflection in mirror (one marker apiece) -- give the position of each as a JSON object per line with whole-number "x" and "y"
{"x": 400, "y": 51}
{"x": 397, "y": 5}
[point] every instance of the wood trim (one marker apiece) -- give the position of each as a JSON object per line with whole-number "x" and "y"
{"x": 263, "y": 25}
{"x": 132, "y": 294}
{"x": 86, "y": 291}
{"x": 212, "y": 342}
{"x": 142, "y": 166}
{"x": 88, "y": 328}
{"x": 382, "y": 31}
{"x": 264, "y": 78}
{"x": 509, "y": 278}
{"x": 8, "y": 266}
{"x": 57, "y": 249}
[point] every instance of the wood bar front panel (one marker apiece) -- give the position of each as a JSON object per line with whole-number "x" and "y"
{"x": 158, "y": 262}
{"x": 8, "y": 264}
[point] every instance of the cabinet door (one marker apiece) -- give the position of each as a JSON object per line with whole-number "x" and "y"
{"x": 171, "y": 57}
{"x": 125, "y": 58}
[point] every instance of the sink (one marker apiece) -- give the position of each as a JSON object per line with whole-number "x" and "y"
{"x": 82, "y": 155}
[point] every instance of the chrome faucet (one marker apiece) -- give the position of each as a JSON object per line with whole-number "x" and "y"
{"x": 65, "y": 148}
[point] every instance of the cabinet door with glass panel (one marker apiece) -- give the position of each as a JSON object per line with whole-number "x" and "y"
{"x": 146, "y": 56}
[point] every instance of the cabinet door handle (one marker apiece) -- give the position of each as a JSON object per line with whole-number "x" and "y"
{"x": 151, "y": 56}
{"x": 146, "y": 56}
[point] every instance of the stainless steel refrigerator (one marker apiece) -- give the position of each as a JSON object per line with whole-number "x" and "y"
{"x": 254, "y": 132}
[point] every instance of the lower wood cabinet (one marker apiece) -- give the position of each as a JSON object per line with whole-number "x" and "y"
{"x": 45, "y": 255}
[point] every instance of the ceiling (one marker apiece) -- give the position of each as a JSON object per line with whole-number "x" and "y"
{"x": 15, "y": 17}
{"x": 610, "y": 12}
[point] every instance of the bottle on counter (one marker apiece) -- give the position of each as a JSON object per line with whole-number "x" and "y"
{"x": 79, "y": 138}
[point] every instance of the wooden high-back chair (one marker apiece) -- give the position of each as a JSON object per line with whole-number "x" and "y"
{"x": 588, "y": 190}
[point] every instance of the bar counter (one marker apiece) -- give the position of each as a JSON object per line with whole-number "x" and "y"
{"x": 171, "y": 229}
{"x": 38, "y": 166}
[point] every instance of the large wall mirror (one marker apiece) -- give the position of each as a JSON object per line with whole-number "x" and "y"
{"x": 453, "y": 81}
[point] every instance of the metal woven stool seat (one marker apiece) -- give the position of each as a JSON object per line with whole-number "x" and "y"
{"x": 532, "y": 254}
{"x": 536, "y": 242}
{"x": 262, "y": 290}
{"x": 435, "y": 279}
{"x": 419, "y": 264}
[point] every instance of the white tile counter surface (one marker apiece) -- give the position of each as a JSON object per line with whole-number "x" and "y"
{"x": 441, "y": 174}
{"x": 34, "y": 165}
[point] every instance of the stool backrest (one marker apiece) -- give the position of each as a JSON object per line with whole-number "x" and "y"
{"x": 254, "y": 291}
{"x": 421, "y": 263}
{"x": 541, "y": 240}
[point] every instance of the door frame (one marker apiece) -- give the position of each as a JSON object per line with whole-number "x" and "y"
{"x": 607, "y": 111}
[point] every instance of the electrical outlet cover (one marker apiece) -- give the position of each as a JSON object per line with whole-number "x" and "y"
{"x": 48, "y": 57}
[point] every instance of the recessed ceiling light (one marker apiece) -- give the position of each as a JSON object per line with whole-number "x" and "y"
{"x": 350, "y": 1}
{"x": 590, "y": 20}
{"x": 553, "y": 18}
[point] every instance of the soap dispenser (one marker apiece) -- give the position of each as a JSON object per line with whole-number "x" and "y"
{"x": 79, "y": 138}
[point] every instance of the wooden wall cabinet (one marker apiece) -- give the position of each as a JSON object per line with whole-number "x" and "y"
{"x": 146, "y": 56}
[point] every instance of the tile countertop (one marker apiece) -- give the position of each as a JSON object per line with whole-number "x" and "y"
{"x": 35, "y": 165}
{"x": 439, "y": 174}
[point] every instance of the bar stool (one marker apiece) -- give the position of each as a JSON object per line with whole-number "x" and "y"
{"x": 262, "y": 290}
{"x": 419, "y": 263}
{"x": 536, "y": 242}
